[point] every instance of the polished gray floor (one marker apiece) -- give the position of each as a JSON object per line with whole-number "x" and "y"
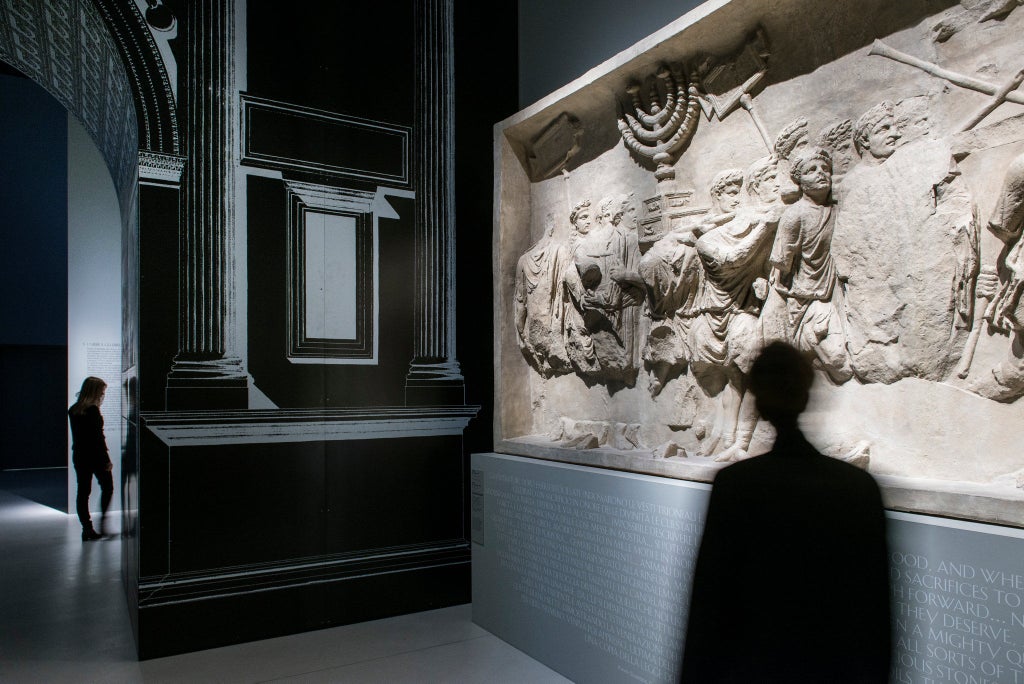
{"x": 63, "y": 618}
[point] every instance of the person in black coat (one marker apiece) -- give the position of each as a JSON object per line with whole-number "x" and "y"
{"x": 791, "y": 582}
{"x": 89, "y": 453}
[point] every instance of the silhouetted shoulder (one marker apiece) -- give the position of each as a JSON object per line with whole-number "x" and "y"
{"x": 797, "y": 457}
{"x": 783, "y": 531}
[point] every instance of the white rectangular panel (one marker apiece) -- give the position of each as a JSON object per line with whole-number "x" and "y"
{"x": 330, "y": 305}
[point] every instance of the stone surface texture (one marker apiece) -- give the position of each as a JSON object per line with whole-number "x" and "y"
{"x": 847, "y": 177}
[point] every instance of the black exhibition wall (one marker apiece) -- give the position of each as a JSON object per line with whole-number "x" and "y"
{"x": 296, "y": 185}
{"x": 560, "y": 41}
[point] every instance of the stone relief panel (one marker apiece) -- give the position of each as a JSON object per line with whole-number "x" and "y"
{"x": 867, "y": 207}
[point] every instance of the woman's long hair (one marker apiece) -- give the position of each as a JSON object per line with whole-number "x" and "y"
{"x": 90, "y": 394}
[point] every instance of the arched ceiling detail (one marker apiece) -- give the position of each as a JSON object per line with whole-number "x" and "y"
{"x": 97, "y": 58}
{"x": 154, "y": 96}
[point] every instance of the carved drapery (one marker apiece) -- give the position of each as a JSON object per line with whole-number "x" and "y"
{"x": 434, "y": 375}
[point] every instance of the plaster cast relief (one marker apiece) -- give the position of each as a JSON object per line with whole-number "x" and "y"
{"x": 843, "y": 222}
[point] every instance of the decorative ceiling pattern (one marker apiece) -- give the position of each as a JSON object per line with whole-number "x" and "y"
{"x": 64, "y": 46}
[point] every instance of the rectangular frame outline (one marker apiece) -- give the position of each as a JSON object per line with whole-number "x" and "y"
{"x": 250, "y": 157}
{"x": 362, "y": 348}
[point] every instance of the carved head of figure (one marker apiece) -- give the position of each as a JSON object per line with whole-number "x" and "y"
{"x": 609, "y": 211}
{"x": 725, "y": 190}
{"x": 763, "y": 180}
{"x": 792, "y": 137}
{"x": 875, "y": 132}
{"x": 913, "y": 118}
{"x": 628, "y": 212}
{"x": 580, "y": 217}
{"x": 838, "y": 139}
{"x": 811, "y": 169}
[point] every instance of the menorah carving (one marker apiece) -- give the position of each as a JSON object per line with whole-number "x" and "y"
{"x": 659, "y": 133}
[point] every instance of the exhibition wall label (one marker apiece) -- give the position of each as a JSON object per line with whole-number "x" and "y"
{"x": 588, "y": 571}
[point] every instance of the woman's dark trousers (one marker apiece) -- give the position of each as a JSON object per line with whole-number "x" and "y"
{"x": 106, "y": 480}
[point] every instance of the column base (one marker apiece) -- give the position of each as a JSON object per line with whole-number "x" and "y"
{"x": 435, "y": 384}
{"x": 208, "y": 384}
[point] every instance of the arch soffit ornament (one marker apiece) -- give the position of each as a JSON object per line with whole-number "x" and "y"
{"x": 118, "y": 90}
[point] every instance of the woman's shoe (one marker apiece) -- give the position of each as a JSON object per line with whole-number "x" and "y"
{"x": 91, "y": 535}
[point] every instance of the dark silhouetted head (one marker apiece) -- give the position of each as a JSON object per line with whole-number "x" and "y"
{"x": 780, "y": 381}
{"x": 92, "y": 393}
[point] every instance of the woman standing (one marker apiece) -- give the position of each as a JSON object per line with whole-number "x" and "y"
{"x": 89, "y": 453}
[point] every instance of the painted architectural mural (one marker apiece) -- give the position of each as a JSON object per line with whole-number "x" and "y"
{"x": 854, "y": 187}
{"x": 289, "y": 293}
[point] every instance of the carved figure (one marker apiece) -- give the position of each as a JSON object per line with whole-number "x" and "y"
{"x": 906, "y": 242}
{"x": 599, "y": 284}
{"x": 763, "y": 184}
{"x": 724, "y": 336}
{"x": 620, "y": 213}
{"x": 792, "y": 138}
{"x": 913, "y": 118}
{"x": 672, "y": 275}
{"x": 875, "y": 134}
{"x": 537, "y": 305}
{"x": 1006, "y": 313}
{"x": 805, "y": 302}
{"x": 837, "y": 138}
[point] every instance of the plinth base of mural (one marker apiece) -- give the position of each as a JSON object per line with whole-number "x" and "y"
{"x": 1000, "y": 502}
{"x": 260, "y": 523}
{"x": 207, "y": 397}
{"x": 588, "y": 571}
{"x": 308, "y": 603}
{"x": 427, "y": 394}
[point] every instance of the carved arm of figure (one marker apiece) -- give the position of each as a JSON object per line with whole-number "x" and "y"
{"x": 593, "y": 301}
{"x": 760, "y": 288}
{"x": 573, "y": 286}
{"x": 785, "y": 248}
{"x": 625, "y": 277}
{"x": 579, "y": 282}
{"x": 519, "y": 303}
{"x": 1007, "y": 220}
{"x": 710, "y": 223}
{"x": 631, "y": 283}
{"x": 683, "y": 236}
{"x": 751, "y": 236}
